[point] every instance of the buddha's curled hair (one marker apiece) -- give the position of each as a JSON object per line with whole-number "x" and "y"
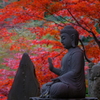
{"x": 70, "y": 31}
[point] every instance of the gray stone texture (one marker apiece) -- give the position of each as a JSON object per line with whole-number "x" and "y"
{"x": 25, "y": 83}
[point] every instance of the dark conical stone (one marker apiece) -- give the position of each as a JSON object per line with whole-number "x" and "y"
{"x": 25, "y": 83}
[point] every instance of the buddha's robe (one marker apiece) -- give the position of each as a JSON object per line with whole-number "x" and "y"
{"x": 71, "y": 76}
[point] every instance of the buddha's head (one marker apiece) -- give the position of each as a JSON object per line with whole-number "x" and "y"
{"x": 69, "y": 37}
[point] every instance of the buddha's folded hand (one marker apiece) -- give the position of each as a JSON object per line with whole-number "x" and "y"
{"x": 56, "y": 80}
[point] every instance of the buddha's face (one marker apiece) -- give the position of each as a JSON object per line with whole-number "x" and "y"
{"x": 66, "y": 40}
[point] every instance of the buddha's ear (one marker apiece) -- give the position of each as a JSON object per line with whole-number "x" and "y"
{"x": 73, "y": 40}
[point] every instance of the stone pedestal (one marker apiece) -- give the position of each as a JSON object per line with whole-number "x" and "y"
{"x": 86, "y": 98}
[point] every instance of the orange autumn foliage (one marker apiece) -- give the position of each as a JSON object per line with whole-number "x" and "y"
{"x": 82, "y": 14}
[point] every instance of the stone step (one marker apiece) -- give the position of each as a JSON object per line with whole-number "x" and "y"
{"x": 86, "y": 98}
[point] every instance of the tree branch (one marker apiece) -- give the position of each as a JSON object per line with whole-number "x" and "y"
{"x": 90, "y": 31}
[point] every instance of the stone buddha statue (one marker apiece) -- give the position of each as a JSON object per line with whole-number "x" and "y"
{"x": 70, "y": 82}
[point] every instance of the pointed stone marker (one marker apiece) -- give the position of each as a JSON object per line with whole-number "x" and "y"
{"x": 25, "y": 83}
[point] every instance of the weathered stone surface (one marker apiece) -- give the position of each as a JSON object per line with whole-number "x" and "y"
{"x": 94, "y": 81}
{"x": 25, "y": 82}
{"x": 86, "y": 98}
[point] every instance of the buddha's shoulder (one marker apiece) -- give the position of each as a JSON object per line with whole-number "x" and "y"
{"x": 76, "y": 50}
